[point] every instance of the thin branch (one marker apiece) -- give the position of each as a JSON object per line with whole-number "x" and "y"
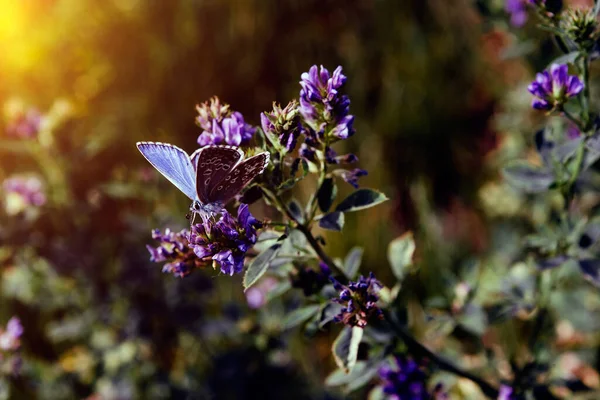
{"x": 418, "y": 349}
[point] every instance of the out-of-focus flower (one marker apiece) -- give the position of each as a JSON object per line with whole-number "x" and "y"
{"x": 553, "y": 88}
{"x": 10, "y": 337}
{"x": 518, "y": 10}
{"x": 405, "y": 379}
{"x": 326, "y": 112}
{"x": 581, "y": 26}
{"x": 174, "y": 248}
{"x": 227, "y": 240}
{"x": 309, "y": 280}
{"x": 506, "y": 393}
{"x": 351, "y": 176}
{"x": 23, "y": 192}
{"x": 221, "y": 125}
{"x": 282, "y": 126}
{"x": 360, "y": 301}
{"x": 256, "y": 296}
{"x": 25, "y": 124}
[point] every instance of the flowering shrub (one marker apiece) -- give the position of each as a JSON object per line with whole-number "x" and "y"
{"x": 217, "y": 311}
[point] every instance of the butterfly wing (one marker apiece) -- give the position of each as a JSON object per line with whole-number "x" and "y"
{"x": 240, "y": 176}
{"x": 213, "y": 163}
{"x": 173, "y": 163}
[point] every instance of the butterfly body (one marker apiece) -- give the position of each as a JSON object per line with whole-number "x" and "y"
{"x": 210, "y": 177}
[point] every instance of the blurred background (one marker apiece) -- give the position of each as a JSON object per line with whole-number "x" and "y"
{"x": 438, "y": 92}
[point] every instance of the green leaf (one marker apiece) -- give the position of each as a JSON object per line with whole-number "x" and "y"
{"x": 352, "y": 262}
{"x": 326, "y": 194}
{"x": 400, "y": 254}
{"x": 333, "y": 221}
{"x": 360, "y": 375}
{"x": 568, "y": 58}
{"x": 591, "y": 270}
{"x": 260, "y": 265}
{"x": 299, "y": 316}
{"x": 528, "y": 178}
{"x": 345, "y": 347}
{"x": 361, "y": 199}
{"x": 296, "y": 210}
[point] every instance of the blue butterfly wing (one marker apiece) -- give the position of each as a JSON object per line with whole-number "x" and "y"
{"x": 173, "y": 163}
{"x": 213, "y": 163}
{"x": 237, "y": 179}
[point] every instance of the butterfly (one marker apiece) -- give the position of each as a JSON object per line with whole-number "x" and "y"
{"x": 210, "y": 177}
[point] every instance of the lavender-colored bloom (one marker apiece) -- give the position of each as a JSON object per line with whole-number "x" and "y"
{"x": 332, "y": 157}
{"x": 174, "y": 248}
{"x": 321, "y": 105}
{"x": 23, "y": 192}
{"x": 256, "y": 296}
{"x": 506, "y": 393}
{"x": 25, "y": 124}
{"x": 405, "y": 379}
{"x": 225, "y": 241}
{"x": 351, "y": 176}
{"x": 282, "y": 126}
{"x": 221, "y": 125}
{"x": 309, "y": 280}
{"x": 518, "y": 10}
{"x": 360, "y": 300}
{"x": 553, "y": 88}
{"x": 10, "y": 337}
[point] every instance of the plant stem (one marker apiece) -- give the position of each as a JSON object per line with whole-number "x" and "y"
{"x": 416, "y": 348}
{"x": 585, "y": 68}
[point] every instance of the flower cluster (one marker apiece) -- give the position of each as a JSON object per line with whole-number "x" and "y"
{"x": 581, "y": 26}
{"x": 405, "y": 379}
{"x": 360, "y": 301}
{"x": 309, "y": 280}
{"x": 25, "y": 124}
{"x": 323, "y": 108}
{"x": 221, "y": 125}
{"x": 518, "y": 10}
{"x": 225, "y": 241}
{"x": 174, "y": 248}
{"x": 10, "y": 342}
{"x": 553, "y": 88}
{"x": 22, "y": 193}
{"x": 282, "y": 126}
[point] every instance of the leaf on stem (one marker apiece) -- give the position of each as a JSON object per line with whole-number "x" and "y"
{"x": 528, "y": 178}
{"x": 259, "y": 265}
{"x": 345, "y": 347}
{"x": 326, "y": 194}
{"x": 352, "y": 262}
{"x": 361, "y": 199}
{"x": 400, "y": 254}
{"x": 333, "y": 221}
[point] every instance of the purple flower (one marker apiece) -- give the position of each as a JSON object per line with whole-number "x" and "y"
{"x": 174, "y": 248}
{"x": 518, "y": 10}
{"x": 506, "y": 393}
{"x": 25, "y": 124}
{"x": 221, "y": 125}
{"x": 309, "y": 280}
{"x": 351, "y": 176}
{"x": 225, "y": 241}
{"x": 553, "y": 88}
{"x": 332, "y": 157}
{"x": 404, "y": 379}
{"x": 256, "y": 296}
{"x": 359, "y": 299}
{"x": 282, "y": 126}
{"x": 321, "y": 105}
{"x": 22, "y": 193}
{"x": 10, "y": 337}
